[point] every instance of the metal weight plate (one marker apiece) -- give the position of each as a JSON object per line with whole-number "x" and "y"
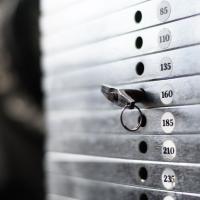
{"x": 164, "y": 37}
{"x": 173, "y": 148}
{"x": 84, "y": 189}
{"x": 180, "y": 177}
{"x": 179, "y": 62}
{"x": 158, "y": 94}
{"x": 140, "y": 16}
{"x": 82, "y": 12}
{"x": 145, "y": 44}
{"x": 185, "y": 121}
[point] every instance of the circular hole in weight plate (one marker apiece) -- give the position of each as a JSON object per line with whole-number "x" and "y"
{"x": 143, "y": 197}
{"x": 143, "y": 174}
{"x": 140, "y": 68}
{"x": 143, "y": 147}
{"x": 139, "y": 42}
{"x": 138, "y": 16}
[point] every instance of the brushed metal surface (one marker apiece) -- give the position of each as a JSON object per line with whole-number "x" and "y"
{"x": 93, "y": 99}
{"x": 96, "y": 122}
{"x": 82, "y": 12}
{"x": 184, "y": 62}
{"x": 126, "y": 172}
{"x": 123, "y": 47}
{"x": 121, "y": 22}
{"x": 126, "y": 146}
{"x": 90, "y": 190}
{"x": 89, "y": 155}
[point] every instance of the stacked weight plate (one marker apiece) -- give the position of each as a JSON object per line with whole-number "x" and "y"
{"x": 128, "y": 44}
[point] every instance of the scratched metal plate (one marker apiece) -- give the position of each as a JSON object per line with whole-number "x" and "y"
{"x": 89, "y": 190}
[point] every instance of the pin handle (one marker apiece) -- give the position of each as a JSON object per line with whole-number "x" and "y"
{"x": 140, "y": 121}
{"x": 125, "y": 98}
{"x": 122, "y": 97}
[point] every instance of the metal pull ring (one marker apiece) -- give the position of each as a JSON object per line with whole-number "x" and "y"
{"x": 140, "y": 121}
{"x": 125, "y": 98}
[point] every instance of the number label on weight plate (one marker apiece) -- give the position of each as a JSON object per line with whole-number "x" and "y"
{"x": 168, "y": 198}
{"x": 164, "y": 11}
{"x": 169, "y": 179}
{"x": 164, "y": 38}
{"x": 168, "y": 122}
{"x": 166, "y": 66}
{"x": 168, "y": 150}
{"x": 166, "y": 95}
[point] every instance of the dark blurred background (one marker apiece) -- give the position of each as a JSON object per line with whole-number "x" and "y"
{"x": 21, "y": 107}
